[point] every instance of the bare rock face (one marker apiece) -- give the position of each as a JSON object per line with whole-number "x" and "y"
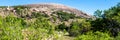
{"x": 48, "y": 8}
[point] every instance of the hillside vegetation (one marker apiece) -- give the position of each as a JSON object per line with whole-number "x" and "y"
{"x": 20, "y": 23}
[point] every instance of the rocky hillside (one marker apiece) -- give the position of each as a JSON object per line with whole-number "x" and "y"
{"x": 39, "y": 21}
{"x": 47, "y": 8}
{"x": 56, "y": 13}
{"x": 51, "y": 7}
{"x": 57, "y": 22}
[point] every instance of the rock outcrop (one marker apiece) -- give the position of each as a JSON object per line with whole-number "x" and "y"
{"x": 51, "y": 7}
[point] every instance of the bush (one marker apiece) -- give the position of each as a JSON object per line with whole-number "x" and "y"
{"x": 94, "y": 36}
{"x": 36, "y": 15}
{"x": 79, "y": 27}
{"x": 64, "y": 16}
{"x": 117, "y": 37}
{"x": 62, "y": 27}
{"x": 11, "y": 28}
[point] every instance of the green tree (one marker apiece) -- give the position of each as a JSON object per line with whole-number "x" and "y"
{"x": 64, "y": 16}
{"x": 98, "y": 13}
{"x": 79, "y": 27}
{"x": 109, "y": 22}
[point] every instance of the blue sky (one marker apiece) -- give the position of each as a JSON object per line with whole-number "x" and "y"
{"x": 87, "y": 6}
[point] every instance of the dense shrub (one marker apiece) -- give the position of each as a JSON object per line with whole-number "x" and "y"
{"x": 94, "y": 36}
{"x": 11, "y": 28}
{"x": 117, "y": 37}
{"x": 79, "y": 27}
{"x": 106, "y": 26}
{"x": 62, "y": 27}
{"x": 37, "y": 14}
{"x": 14, "y": 28}
{"x": 108, "y": 21}
{"x": 64, "y": 16}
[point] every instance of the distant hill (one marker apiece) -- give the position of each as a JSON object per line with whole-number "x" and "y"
{"x": 49, "y": 7}
{"x": 57, "y": 13}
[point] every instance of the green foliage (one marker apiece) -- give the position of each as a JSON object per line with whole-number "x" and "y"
{"x": 14, "y": 20}
{"x": 3, "y": 6}
{"x": 94, "y": 36}
{"x": 13, "y": 28}
{"x": 21, "y": 10}
{"x": 20, "y": 7}
{"x": 106, "y": 26}
{"x": 112, "y": 12}
{"x": 79, "y": 27}
{"x": 62, "y": 27}
{"x": 117, "y": 37}
{"x": 54, "y": 18}
{"x": 43, "y": 23}
{"x": 64, "y": 16}
{"x": 109, "y": 22}
{"x": 36, "y": 15}
{"x": 98, "y": 13}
